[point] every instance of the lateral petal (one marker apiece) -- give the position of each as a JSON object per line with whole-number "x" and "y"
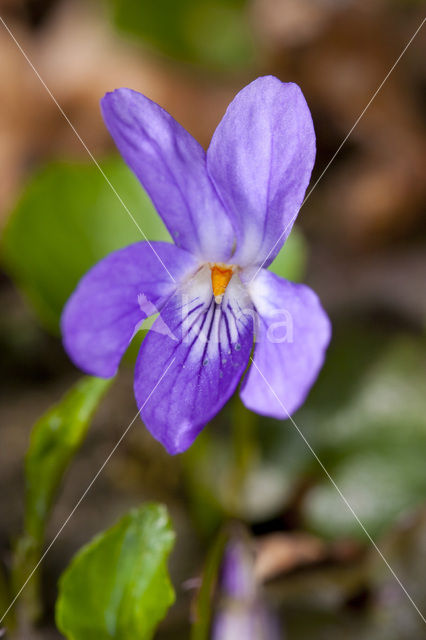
{"x": 293, "y": 332}
{"x": 114, "y": 297}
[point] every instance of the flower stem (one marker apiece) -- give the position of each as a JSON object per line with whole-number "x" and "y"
{"x": 246, "y": 451}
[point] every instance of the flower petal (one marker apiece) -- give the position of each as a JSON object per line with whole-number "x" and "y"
{"x": 204, "y": 361}
{"x": 293, "y": 334}
{"x": 114, "y": 297}
{"x": 260, "y": 160}
{"x": 171, "y": 166}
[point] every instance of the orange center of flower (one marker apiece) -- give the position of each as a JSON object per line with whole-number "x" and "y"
{"x": 221, "y": 275}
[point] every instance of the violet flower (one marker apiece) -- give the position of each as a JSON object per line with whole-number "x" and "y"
{"x": 241, "y": 611}
{"x": 229, "y": 212}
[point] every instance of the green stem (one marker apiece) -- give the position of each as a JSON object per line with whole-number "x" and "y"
{"x": 246, "y": 449}
{"x": 203, "y": 608}
{"x": 28, "y": 607}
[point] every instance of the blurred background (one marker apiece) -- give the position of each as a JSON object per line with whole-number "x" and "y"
{"x": 360, "y": 243}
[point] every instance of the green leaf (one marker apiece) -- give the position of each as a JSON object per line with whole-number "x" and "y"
{"x": 67, "y": 219}
{"x": 118, "y": 585}
{"x": 290, "y": 263}
{"x": 373, "y": 443}
{"x": 54, "y": 440}
{"x": 213, "y": 33}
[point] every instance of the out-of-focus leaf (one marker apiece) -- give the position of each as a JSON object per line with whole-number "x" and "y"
{"x": 215, "y": 33}
{"x": 54, "y": 440}
{"x": 373, "y": 445}
{"x": 67, "y": 219}
{"x": 118, "y": 585}
{"x": 404, "y": 547}
{"x": 250, "y": 480}
{"x": 290, "y": 263}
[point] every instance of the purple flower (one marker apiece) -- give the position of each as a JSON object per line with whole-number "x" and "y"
{"x": 241, "y": 611}
{"x": 229, "y": 212}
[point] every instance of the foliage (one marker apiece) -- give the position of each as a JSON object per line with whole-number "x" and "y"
{"x": 118, "y": 585}
{"x": 290, "y": 263}
{"x": 54, "y": 441}
{"x": 373, "y": 441}
{"x": 67, "y": 219}
{"x": 215, "y": 33}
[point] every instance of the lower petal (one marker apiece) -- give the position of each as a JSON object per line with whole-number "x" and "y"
{"x": 293, "y": 333}
{"x": 114, "y": 297}
{"x": 185, "y": 376}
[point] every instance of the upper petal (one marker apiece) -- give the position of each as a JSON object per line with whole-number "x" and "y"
{"x": 171, "y": 166}
{"x": 111, "y": 300}
{"x": 204, "y": 357}
{"x": 260, "y": 160}
{"x": 293, "y": 333}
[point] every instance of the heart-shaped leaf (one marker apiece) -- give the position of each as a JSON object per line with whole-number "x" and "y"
{"x": 118, "y": 585}
{"x": 67, "y": 219}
